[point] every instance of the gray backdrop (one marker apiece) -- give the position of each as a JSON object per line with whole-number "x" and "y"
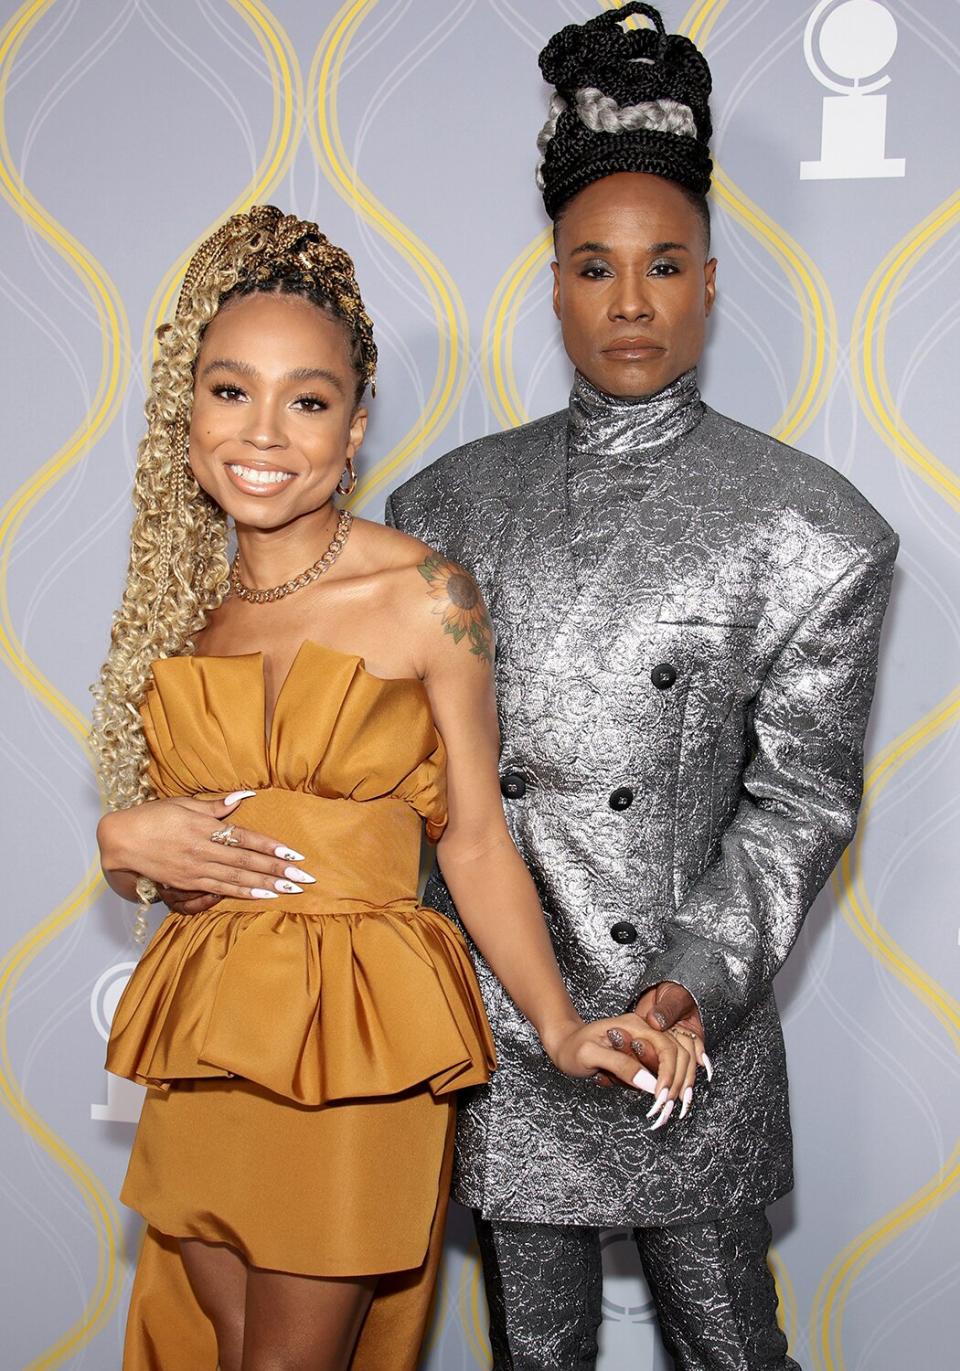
{"x": 406, "y": 127}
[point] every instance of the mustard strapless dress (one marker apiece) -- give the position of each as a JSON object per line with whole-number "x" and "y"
{"x": 302, "y": 1053}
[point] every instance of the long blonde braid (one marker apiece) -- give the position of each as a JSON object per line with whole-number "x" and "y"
{"x": 178, "y": 569}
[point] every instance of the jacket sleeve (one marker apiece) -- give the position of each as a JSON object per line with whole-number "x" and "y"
{"x": 801, "y": 792}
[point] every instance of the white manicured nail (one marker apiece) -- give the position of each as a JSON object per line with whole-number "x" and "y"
{"x": 708, "y": 1067}
{"x": 263, "y": 894}
{"x": 646, "y": 1080}
{"x": 659, "y": 1102}
{"x": 287, "y": 854}
{"x": 687, "y": 1101}
{"x": 296, "y": 874}
{"x": 663, "y": 1118}
{"x": 289, "y": 887}
{"x": 236, "y": 796}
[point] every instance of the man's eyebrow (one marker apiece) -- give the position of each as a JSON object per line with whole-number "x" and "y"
{"x": 653, "y": 248}
{"x": 298, "y": 374}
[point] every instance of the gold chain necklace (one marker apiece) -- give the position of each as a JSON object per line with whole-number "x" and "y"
{"x": 312, "y": 573}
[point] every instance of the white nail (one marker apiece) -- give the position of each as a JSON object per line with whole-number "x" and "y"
{"x": 289, "y": 887}
{"x": 236, "y": 796}
{"x": 646, "y": 1080}
{"x": 287, "y": 854}
{"x": 663, "y": 1118}
{"x": 296, "y": 874}
{"x": 659, "y": 1102}
{"x": 708, "y": 1067}
{"x": 687, "y": 1102}
{"x": 263, "y": 894}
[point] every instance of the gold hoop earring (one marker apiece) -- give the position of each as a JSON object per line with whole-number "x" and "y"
{"x": 351, "y": 485}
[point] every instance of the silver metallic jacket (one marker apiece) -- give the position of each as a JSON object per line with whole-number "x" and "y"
{"x": 687, "y": 617}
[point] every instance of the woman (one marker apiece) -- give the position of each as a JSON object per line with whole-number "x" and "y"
{"x": 272, "y": 738}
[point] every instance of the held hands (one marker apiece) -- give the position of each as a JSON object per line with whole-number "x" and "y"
{"x": 610, "y": 1050}
{"x": 671, "y": 1008}
{"x": 169, "y": 842}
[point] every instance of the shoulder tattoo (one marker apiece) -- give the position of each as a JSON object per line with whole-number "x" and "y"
{"x": 459, "y": 604}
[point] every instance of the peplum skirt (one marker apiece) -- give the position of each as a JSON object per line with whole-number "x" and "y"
{"x": 302, "y": 1067}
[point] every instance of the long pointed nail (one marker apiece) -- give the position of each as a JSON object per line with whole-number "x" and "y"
{"x": 663, "y": 1118}
{"x": 687, "y": 1102}
{"x": 646, "y": 1080}
{"x": 296, "y": 874}
{"x": 289, "y": 887}
{"x": 659, "y": 1102}
{"x": 287, "y": 854}
{"x": 263, "y": 894}
{"x": 236, "y": 796}
{"x": 708, "y": 1067}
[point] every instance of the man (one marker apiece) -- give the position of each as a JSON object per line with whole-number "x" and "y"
{"x": 687, "y": 617}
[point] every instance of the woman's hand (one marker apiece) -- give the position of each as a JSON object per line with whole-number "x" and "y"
{"x": 168, "y": 841}
{"x": 612, "y": 1049}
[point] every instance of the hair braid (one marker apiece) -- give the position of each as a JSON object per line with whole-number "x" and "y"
{"x": 633, "y": 100}
{"x": 178, "y": 570}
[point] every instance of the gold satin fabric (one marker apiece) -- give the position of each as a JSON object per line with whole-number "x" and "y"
{"x": 302, "y": 1052}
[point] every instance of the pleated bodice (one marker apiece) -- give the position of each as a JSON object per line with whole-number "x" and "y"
{"x": 351, "y": 988}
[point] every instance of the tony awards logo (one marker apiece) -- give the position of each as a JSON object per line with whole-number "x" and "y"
{"x": 856, "y": 40}
{"x": 124, "y": 1098}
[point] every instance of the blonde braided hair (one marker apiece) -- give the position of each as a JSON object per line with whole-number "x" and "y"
{"x": 178, "y": 569}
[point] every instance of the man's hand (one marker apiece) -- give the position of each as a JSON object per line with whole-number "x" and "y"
{"x": 671, "y": 1006}
{"x": 186, "y": 901}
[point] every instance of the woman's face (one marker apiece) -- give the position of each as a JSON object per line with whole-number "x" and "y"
{"x": 274, "y": 409}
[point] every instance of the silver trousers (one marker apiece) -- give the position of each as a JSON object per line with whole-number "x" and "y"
{"x": 714, "y": 1294}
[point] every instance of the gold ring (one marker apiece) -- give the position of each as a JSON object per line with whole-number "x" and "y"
{"x": 226, "y": 837}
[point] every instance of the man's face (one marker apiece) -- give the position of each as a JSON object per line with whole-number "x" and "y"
{"x": 632, "y": 287}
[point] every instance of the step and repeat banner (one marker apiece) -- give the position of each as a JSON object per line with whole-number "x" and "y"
{"x": 407, "y": 129}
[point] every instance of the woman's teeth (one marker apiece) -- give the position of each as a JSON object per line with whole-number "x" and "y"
{"x": 258, "y": 477}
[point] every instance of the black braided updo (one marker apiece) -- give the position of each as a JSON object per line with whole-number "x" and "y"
{"x": 602, "y": 74}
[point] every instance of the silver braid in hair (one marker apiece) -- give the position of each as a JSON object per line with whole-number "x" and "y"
{"x": 601, "y": 114}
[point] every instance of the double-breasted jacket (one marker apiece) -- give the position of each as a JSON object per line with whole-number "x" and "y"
{"x": 682, "y": 741}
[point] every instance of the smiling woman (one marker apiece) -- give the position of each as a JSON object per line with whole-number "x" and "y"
{"x": 275, "y": 740}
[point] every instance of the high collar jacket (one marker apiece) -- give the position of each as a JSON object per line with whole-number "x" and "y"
{"x": 682, "y": 742}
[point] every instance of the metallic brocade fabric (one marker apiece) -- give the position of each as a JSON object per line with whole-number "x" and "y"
{"x": 758, "y": 577}
{"x": 715, "y": 1298}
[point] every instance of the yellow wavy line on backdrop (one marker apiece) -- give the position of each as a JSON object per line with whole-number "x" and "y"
{"x": 787, "y": 1315}
{"x": 834, "y": 1288}
{"x": 99, "y": 1205}
{"x": 116, "y": 349}
{"x": 848, "y": 879}
{"x": 817, "y": 313}
{"x": 473, "y": 1307}
{"x": 287, "y": 81}
{"x": 875, "y": 398}
{"x": 453, "y": 328}
{"x": 114, "y": 333}
{"x": 870, "y": 370}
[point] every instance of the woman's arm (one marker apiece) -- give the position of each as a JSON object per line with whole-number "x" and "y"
{"x": 488, "y": 880}
{"x": 168, "y": 841}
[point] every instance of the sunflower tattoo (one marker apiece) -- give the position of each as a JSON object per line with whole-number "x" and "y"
{"x": 460, "y": 604}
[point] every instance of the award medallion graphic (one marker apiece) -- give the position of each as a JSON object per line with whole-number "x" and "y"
{"x": 853, "y": 39}
{"x": 124, "y": 1098}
